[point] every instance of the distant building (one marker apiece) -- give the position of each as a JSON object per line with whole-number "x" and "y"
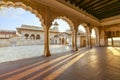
{"x": 6, "y": 34}
{"x": 34, "y": 35}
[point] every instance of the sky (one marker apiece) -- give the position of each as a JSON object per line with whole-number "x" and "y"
{"x": 62, "y": 25}
{"x": 81, "y": 28}
{"x": 11, "y": 17}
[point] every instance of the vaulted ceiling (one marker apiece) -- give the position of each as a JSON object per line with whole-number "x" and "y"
{"x": 98, "y": 8}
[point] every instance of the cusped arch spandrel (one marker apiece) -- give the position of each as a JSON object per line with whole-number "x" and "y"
{"x": 25, "y": 7}
{"x": 66, "y": 20}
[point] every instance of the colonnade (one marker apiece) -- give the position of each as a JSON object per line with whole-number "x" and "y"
{"x": 74, "y": 41}
{"x": 46, "y": 21}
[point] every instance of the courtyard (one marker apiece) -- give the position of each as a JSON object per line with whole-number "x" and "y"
{"x": 86, "y": 64}
{"x": 21, "y": 52}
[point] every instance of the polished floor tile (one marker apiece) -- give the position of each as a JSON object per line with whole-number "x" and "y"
{"x": 86, "y": 64}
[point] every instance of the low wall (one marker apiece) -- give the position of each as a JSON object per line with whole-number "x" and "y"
{"x": 8, "y": 43}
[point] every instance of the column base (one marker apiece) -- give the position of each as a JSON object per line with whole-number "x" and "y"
{"x": 90, "y": 47}
{"x": 74, "y": 50}
{"x": 47, "y": 53}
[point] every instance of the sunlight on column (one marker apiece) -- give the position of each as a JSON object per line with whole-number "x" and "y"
{"x": 56, "y": 73}
{"x": 34, "y": 69}
{"x": 115, "y": 52}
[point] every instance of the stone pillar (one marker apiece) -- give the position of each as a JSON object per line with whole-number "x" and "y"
{"x": 98, "y": 43}
{"x": 46, "y": 43}
{"x": 29, "y": 36}
{"x": 87, "y": 41}
{"x": 112, "y": 41}
{"x": 106, "y": 41}
{"x": 89, "y": 38}
{"x": 22, "y": 35}
{"x": 74, "y": 40}
{"x": 75, "y": 47}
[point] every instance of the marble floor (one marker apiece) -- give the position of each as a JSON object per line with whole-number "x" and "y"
{"x": 22, "y": 52}
{"x": 86, "y": 64}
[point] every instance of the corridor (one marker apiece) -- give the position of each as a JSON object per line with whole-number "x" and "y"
{"x": 101, "y": 63}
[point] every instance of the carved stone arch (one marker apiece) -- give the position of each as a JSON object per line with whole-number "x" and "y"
{"x": 96, "y": 31}
{"x": 32, "y": 36}
{"x": 97, "y": 35}
{"x": 26, "y": 36}
{"x": 66, "y": 20}
{"x": 87, "y": 29}
{"x": 25, "y": 7}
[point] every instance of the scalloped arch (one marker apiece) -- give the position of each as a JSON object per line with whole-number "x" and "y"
{"x": 96, "y": 30}
{"x": 27, "y": 8}
{"x": 97, "y": 35}
{"x": 87, "y": 29}
{"x": 67, "y": 20}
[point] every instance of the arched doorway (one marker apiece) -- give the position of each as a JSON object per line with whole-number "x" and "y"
{"x": 26, "y": 36}
{"x": 94, "y": 37}
{"x": 19, "y": 35}
{"x": 60, "y": 34}
{"x": 81, "y": 36}
{"x": 37, "y": 36}
{"x": 32, "y": 37}
{"x": 102, "y": 38}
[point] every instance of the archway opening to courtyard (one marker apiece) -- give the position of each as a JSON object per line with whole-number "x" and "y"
{"x": 95, "y": 42}
{"x": 114, "y": 41}
{"x": 60, "y": 38}
{"x": 81, "y": 36}
{"x": 102, "y": 38}
{"x": 21, "y": 30}
{"x": 113, "y": 38}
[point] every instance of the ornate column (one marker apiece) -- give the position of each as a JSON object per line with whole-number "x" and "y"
{"x": 98, "y": 38}
{"x": 46, "y": 43}
{"x": 74, "y": 40}
{"x": 75, "y": 33}
{"x": 87, "y": 41}
{"x": 112, "y": 41}
{"x": 89, "y": 38}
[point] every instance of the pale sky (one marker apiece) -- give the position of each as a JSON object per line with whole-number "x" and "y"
{"x": 81, "y": 28}
{"x": 11, "y": 17}
{"x": 62, "y": 25}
